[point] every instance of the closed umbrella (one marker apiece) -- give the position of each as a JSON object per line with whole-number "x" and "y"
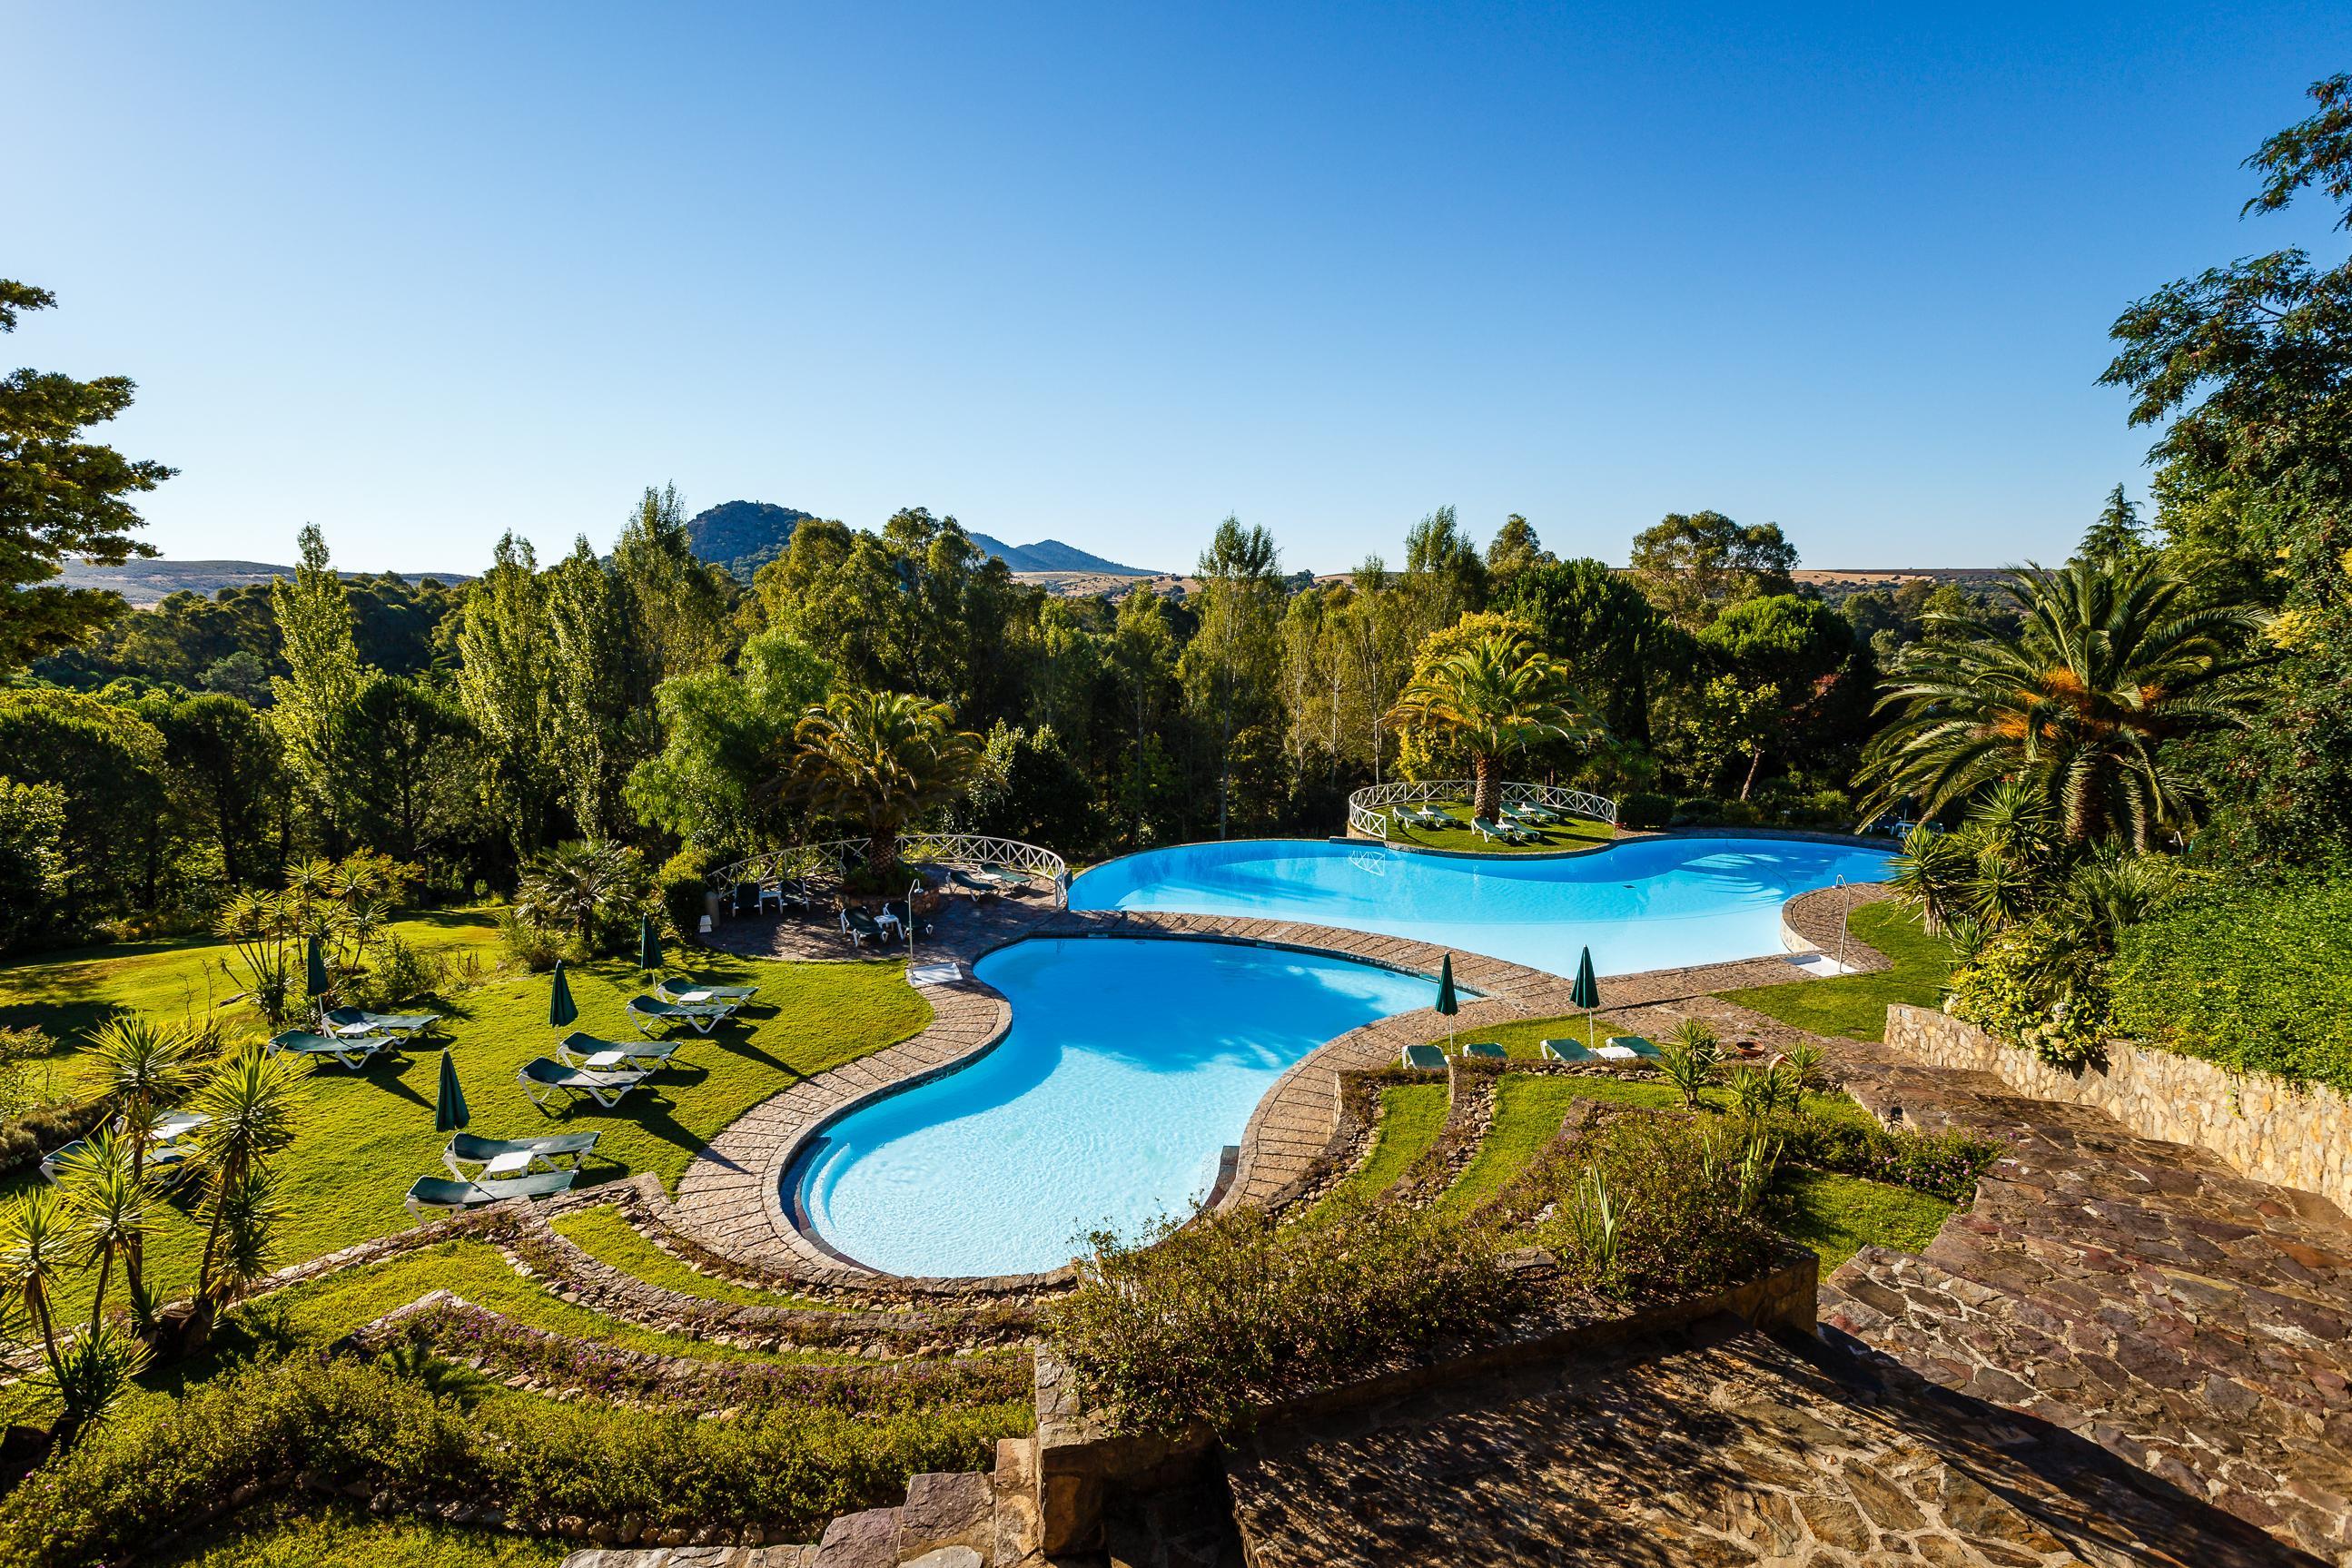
{"x": 560, "y": 1011}
{"x": 1448, "y": 1004}
{"x": 449, "y": 1112}
{"x": 1586, "y": 993}
{"x": 649, "y": 955}
{"x": 314, "y": 971}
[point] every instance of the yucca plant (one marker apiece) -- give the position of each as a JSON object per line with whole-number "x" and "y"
{"x": 109, "y": 1203}
{"x": 139, "y": 1068}
{"x": 251, "y": 1102}
{"x": 37, "y": 1248}
{"x": 1691, "y": 1059}
{"x": 1807, "y": 1069}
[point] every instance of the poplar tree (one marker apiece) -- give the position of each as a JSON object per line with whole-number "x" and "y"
{"x": 1233, "y": 660}
{"x": 313, "y": 700}
{"x": 679, "y": 600}
{"x": 503, "y": 683}
{"x": 601, "y": 689}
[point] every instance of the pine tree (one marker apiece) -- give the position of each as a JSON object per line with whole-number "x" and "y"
{"x": 2117, "y": 535}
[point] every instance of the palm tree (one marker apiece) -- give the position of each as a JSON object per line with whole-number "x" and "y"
{"x": 108, "y": 1200}
{"x": 567, "y": 886}
{"x": 1499, "y": 693}
{"x": 881, "y": 759}
{"x": 36, "y": 1240}
{"x": 140, "y": 1067}
{"x": 2106, "y": 665}
{"x": 250, "y": 1100}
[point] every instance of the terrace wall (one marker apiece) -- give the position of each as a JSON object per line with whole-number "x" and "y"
{"x": 2291, "y": 1134}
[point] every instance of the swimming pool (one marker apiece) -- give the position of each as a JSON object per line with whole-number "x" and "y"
{"x": 1646, "y": 904}
{"x": 1130, "y": 1066}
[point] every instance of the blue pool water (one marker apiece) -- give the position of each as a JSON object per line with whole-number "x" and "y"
{"x": 1646, "y": 904}
{"x": 1130, "y": 1066}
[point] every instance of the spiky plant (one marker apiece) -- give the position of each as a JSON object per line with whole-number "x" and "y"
{"x": 1498, "y": 696}
{"x": 882, "y": 760}
{"x": 251, "y": 1102}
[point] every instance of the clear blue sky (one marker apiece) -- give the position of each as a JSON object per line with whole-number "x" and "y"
{"x": 1105, "y": 273}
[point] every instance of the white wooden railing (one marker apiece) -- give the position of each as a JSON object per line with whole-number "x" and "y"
{"x": 816, "y": 864}
{"x": 1368, "y": 808}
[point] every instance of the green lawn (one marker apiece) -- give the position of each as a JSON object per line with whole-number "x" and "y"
{"x": 1836, "y": 1216}
{"x": 181, "y": 978}
{"x": 606, "y": 1235}
{"x": 343, "y": 1536}
{"x": 365, "y": 1135}
{"x": 1524, "y": 1038}
{"x": 1412, "y": 1115}
{"x": 1576, "y": 833}
{"x": 1855, "y": 1005}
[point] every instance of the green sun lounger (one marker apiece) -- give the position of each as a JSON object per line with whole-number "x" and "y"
{"x": 612, "y": 1055}
{"x": 1566, "y": 1050}
{"x": 353, "y": 1020}
{"x": 1641, "y": 1047}
{"x": 861, "y": 928}
{"x": 681, "y": 989}
{"x": 439, "y": 1192}
{"x": 972, "y": 885}
{"x": 352, "y": 1050}
{"x": 466, "y": 1149}
{"x": 544, "y": 1078}
{"x": 1485, "y": 1051}
{"x": 649, "y": 1013}
{"x": 1427, "y": 1058}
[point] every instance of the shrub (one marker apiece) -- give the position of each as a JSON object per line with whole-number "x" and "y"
{"x": 2039, "y": 987}
{"x": 534, "y": 948}
{"x": 1643, "y": 1204}
{"x": 2249, "y": 976}
{"x": 1234, "y": 1310}
{"x": 683, "y": 879}
{"x": 1645, "y": 809}
{"x": 1739, "y": 814}
{"x": 24, "y": 1141}
{"x": 399, "y": 973}
{"x": 164, "y": 1463}
{"x": 1697, "y": 809}
{"x": 1942, "y": 1165}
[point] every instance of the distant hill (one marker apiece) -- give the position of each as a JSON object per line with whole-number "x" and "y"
{"x": 743, "y": 536}
{"x": 147, "y": 583}
{"x": 1053, "y": 555}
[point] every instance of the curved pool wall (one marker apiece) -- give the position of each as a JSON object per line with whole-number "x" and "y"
{"x": 1641, "y": 904}
{"x": 1131, "y": 1065}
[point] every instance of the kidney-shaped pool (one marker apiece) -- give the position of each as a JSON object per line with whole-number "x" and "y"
{"x": 1644, "y": 903}
{"x": 1130, "y": 1064}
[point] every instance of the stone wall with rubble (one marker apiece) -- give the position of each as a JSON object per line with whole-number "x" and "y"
{"x": 2292, "y": 1134}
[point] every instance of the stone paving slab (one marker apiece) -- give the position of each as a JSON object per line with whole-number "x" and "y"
{"x": 1717, "y": 1446}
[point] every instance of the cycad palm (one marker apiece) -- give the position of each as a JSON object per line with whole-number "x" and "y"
{"x": 1499, "y": 695}
{"x": 881, "y": 759}
{"x": 2105, "y": 668}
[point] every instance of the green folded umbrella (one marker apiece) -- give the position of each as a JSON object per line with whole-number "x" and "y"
{"x": 649, "y": 955}
{"x": 1448, "y": 1004}
{"x": 560, "y": 1011}
{"x": 449, "y": 1112}
{"x": 1586, "y": 992}
{"x": 314, "y": 971}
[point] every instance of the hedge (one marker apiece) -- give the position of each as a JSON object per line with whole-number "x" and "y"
{"x": 2252, "y": 976}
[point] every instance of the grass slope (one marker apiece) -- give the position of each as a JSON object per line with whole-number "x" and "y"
{"x": 1855, "y": 1005}
{"x": 1411, "y": 1114}
{"x": 365, "y": 1135}
{"x": 1837, "y": 1216}
{"x": 605, "y": 1235}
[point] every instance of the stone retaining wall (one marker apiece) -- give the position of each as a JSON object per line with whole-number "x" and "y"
{"x": 2264, "y": 1128}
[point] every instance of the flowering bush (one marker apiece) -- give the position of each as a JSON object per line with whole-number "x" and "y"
{"x": 2038, "y": 988}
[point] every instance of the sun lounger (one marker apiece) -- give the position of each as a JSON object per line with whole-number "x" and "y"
{"x": 1485, "y": 1051}
{"x": 612, "y": 1055}
{"x": 971, "y": 885}
{"x": 1629, "y": 1048}
{"x": 1006, "y": 879}
{"x": 1566, "y": 1050}
{"x": 437, "y": 1192}
{"x": 352, "y": 1050}
{"x": 1487, "y": 828}
{"x": 1426, "y": 1057}
{"x": 353, "y": 1020}
{"x": 164, "y": 1162}
{"x": 503, "y": 1157}
{"x": 861, "y": 928}
{"x": 543, "y": 1077}
{"x": 680, "y": 989}
{"x": 649, "y": 1013}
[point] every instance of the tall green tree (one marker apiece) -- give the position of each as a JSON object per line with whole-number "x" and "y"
{"x": 408, "y": 741}
{"x": 1604, "y": 628}
{"x": 1781, "y": 652}
{"x": 2247, "y": 368}
{"x": 728, "y": 743}
{"x": 1229, "y": 666}
{"x": 505, "y": 683}
{"x": 2118, "y": 534}
{"x": 882, "y": 760}
{"x": 599, "y": 715}
{"x": 2086, "y": 702}
{"x": 682, "y": 603}
{"x": 1495, "y": 697}
{"x": 1515, "y": 549}
{"x": 221, "y": 759}
{"x": 60, "y": 496}
{"x": 312, "y": 705}
{"x": 1693, "y": 564}
{"x": 1143, "y": 652}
